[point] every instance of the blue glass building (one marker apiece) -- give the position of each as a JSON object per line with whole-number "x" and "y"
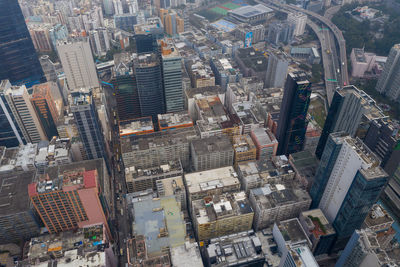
{"x": 362, "y": 194}
{"x": 19, "y": 62}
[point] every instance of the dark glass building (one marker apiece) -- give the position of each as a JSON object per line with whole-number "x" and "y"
{"x": 362, "y": 194}
{"x": 344, "y": 115}
{"x": 146, "y": 43}
{"x": 147, "y": 69}
{"x": 19, "y": 62}
{"x": 85, "y": 114}
{"x": 292, "y": 125}
{"x": 127, "y": 97}
{"x": 10, "y": 133}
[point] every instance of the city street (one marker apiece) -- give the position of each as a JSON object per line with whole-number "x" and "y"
{"x": 122, "y": 228}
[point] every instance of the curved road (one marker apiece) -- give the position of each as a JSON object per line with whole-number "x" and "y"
{"x": 332, "y": 66}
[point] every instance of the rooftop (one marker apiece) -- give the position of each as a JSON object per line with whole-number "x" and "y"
{"x": 168, "y": 48}
{"x": 264, "y": 136}
{"x": 292, "y": 231}
{"x": 248, "y": 113}
{"x": 172, "y": 120}
{"x": 171, "y": 167}
{"x": 211, "y": 179}
{"x": 272, "y": 195}
{"x": 377, "y": 216}
{"x": 13, "y": 192}
{"x": 160, "y": 221}
{"x": 216, "y": 207}
{"x": 136, "y": 127}
{"x": 138, "y": 255}
{"x": 233, "y": 249}
{"x": 145, "y": 60}
{"x": 212, "y": 114}
{"x": 243, "y": 143}
{"x": 305, "y": 163}
{"x": 253, "y": 59}
{"x": 251, "y": 11}
{"x": 81, "y": 97}
{"x": 186, "y": 255}
{"x": 83, "y": 247}
{"x": 87, "y": 173}
{"x": 318, "y": 223}
{"x": 303, "y": 256}
{"x": 211, "y": 144}
{"x": 157, "y": 139}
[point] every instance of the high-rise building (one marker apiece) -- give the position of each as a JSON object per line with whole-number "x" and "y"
{"x": 10, "y": 133}
{"x": 41, "y": 37}
{"x": 99, "y": 41}
{"x": 299, "y": 20}
{"x": 145, "y": 43}
{"x": 389, "y": 81}
{"x": 85, "y": 114}
{"x": 48, "y": 68}
{"x": 147, "y": 69}
{"x": 124, "y": 83}
{"x": 172, "y": 76}
{"x": 125, "y": 22}
{"x": 392, "y": 193}
{"x": 363, "y": 249}
{"x": 19, "y": 102}
{"x": 70, "y": 200}
{"x": 276, "y": 70}
{"x": 280, "y": 32}
{"x": 108, "y": 7}
{"x": 19, "y": 61}
{"x": 45, "y": 105}
{"x": 173, "y": 24}
{"x": 118, "y": 9}
{"x": 344, "y": 115}
{"x": 17, "y": 220}
{"x": 77, "y": 61}
{"x": 292, "y": 125}
{"x": 381, "y": 139}
{"x": 348, "y": 182}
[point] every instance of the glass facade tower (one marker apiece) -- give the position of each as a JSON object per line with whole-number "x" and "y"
{"x": 19, "y": 62}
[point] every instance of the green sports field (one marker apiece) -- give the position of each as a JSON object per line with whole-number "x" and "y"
{"x": 219, "y": 10}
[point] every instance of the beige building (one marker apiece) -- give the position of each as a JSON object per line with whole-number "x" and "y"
{"x": 219, "y": 215}
{"x": 19, "y": 101}
{"x": 77, "y": 61}
{"x": 211, "y": 182}
{"x": 138, "y": 179}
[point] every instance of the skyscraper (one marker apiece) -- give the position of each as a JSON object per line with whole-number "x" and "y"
{"x": 19, "y": 61}
{"x": 45, "y": 106}
{"x": 276, "y": 70}
{"x": 389, "y": 81}
{"x": 292, "y": 125}
{"x": 126, "y": 92}
{"x": 172, "y": 76}
{"x": 19, "y": 103}
{"x": 108, "y": 7}
{"x": 147, "y": 69}
{"x": 349, "y": 181}
{"x": 344, "y": 114}
{"x": 77, "y": 61}
{"x": 85, "y": 114}
{"x": 381, "y": 139}
{"x": 10, "y": 133}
